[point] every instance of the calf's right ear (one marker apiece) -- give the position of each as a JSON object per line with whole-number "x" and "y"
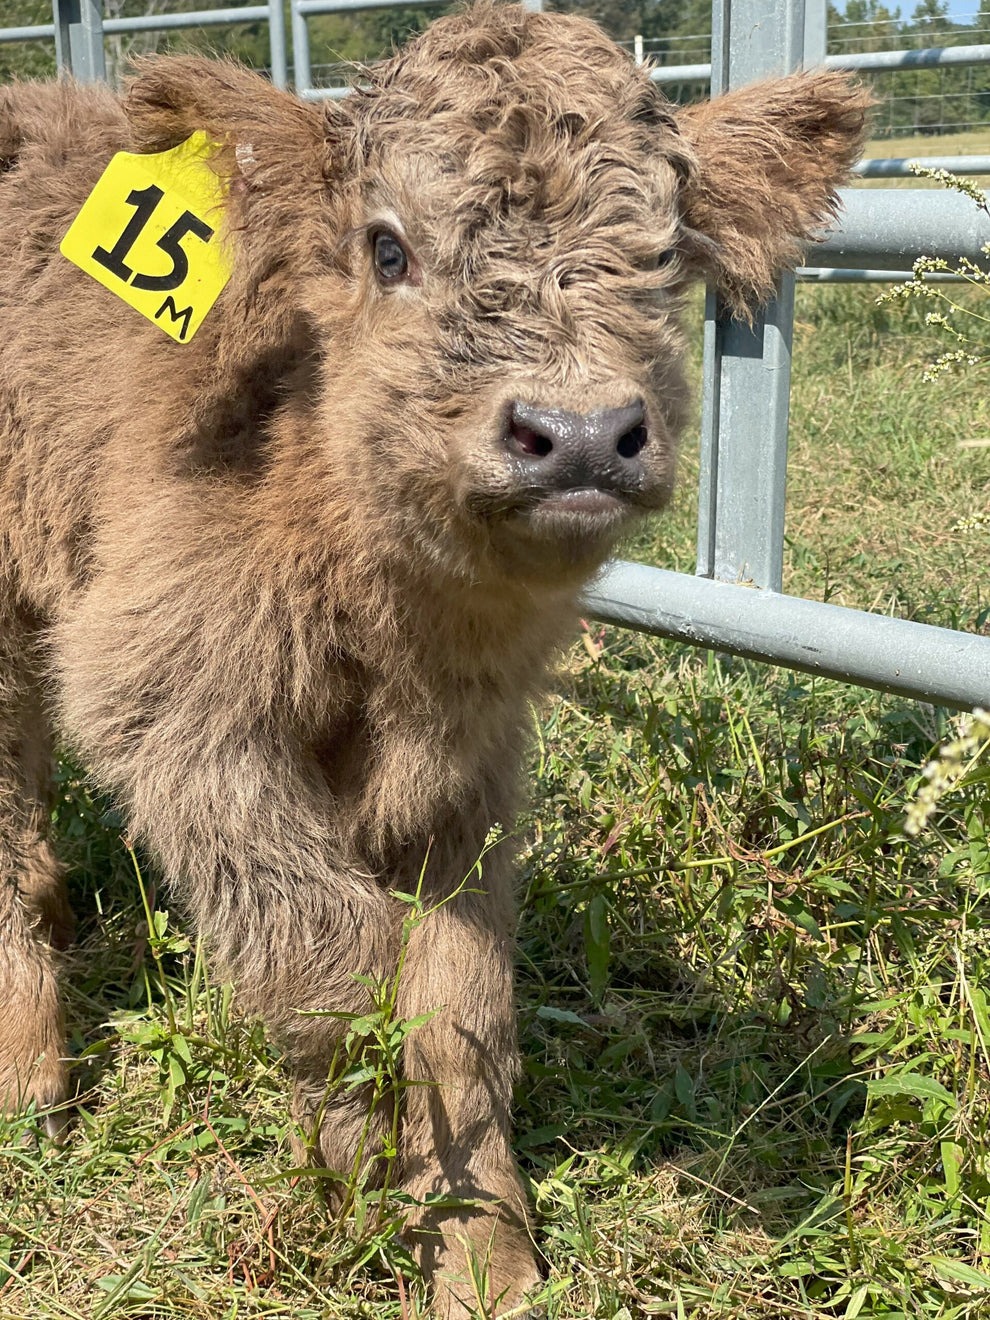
{"x": 769, "y": 159}
{"x": 271, "y": 152}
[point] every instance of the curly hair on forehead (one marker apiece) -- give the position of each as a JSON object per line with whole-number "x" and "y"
{"x": 481, "y": 70}
{"x": 537, "y": 187}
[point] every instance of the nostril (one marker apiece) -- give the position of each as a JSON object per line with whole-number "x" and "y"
{"x": 527, "y": 441}
{"x": 634, "y": 440}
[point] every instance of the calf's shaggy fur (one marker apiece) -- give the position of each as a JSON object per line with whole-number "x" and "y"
{"x": 288, "y": 588}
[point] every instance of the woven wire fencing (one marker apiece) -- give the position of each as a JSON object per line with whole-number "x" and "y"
{"x": 928, "y": 99}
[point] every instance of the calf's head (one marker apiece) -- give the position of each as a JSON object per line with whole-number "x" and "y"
{"x": 489, "y": 246}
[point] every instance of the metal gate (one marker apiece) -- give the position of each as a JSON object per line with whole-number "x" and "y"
{"x": 734, "y": 602}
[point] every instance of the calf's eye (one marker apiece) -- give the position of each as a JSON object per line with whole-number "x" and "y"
{"x": 391, "y": 262}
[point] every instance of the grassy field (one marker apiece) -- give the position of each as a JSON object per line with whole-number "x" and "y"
{"x": 975, "y": 142}
{"x": 753, "y": 1011}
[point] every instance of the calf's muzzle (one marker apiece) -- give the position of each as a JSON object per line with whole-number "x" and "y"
{"x": 556, "y": 450}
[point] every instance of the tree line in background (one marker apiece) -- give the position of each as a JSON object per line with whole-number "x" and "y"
{"x": 918, "y": 100}
{"x": 673, "y": 32}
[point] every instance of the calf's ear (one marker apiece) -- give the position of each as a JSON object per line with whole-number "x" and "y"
{"x": 769, "y": 159}
{"x": 172, "y": 96}
{"x": 271, "y": 151}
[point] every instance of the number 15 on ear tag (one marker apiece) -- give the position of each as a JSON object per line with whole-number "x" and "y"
{"x": 150, "y": 232}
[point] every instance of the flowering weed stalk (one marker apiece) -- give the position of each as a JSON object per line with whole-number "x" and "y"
{"x": 956, "y": 765}
{"x": 964, "y": 326}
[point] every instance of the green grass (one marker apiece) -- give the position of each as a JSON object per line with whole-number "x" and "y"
{"x": 975, "y": 142}
{"x": 756, "y": 1038}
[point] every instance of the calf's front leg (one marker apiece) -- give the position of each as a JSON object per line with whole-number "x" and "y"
{"x": 460, "y": 1069}
{"x": 243, "y": 827}
{"x": 295, "y": 941}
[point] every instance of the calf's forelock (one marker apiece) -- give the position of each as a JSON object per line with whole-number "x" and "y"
{"x": 536, "y": 170}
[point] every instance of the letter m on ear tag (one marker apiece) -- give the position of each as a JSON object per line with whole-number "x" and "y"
{"x": 151, "y": 232}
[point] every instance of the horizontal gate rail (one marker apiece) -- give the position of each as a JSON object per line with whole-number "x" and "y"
{"x": 189, "y": 19}
{"x": 859, "y": 62}
{"x": 894, "y": 226}
{"x": 895, "y": 167}
{"x": 855, "y": 275}
{"x": 930, "y": 57}
{"x": 913, "y": 660}
{"x": 79, "y": 29}
{"x": 676, "y": 73}
{"x": 350, "y": 6}
{"x": 39, "y": 32}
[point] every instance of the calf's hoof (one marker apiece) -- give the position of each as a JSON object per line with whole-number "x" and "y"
{"x": 478, "y": 1263}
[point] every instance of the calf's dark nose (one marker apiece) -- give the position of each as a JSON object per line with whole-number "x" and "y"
{"x": 562, "y": 450}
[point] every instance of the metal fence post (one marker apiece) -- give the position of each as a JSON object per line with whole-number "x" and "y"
{"x": 79, "y": 39}
{"x": 815, "y": 32}
{"x": 276, "y": 43}
{"x": 747, "y": 371}
{"x": 302, "y": 73}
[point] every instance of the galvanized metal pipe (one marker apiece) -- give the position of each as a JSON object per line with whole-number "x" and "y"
{"x": 861, "y": 61}
{"x": 40, "y": 32}
{"x": 746, "y": 378}
{"x": 911, "y": 659}
{"x": 882, "y": 228}
{"x": 930, "y": 57}
{"x": 302, "y": 72}
{"x": 79, "y": 39}
{"x": 278, "y": 54}
{"x": 899, "y": 167}
{"x": 832, "y": 275}
{"x": 191, "y": 19}
{"x": 320, "y": 93}
{"x": 346, "y": 6}
{"x": 671, "y": 73}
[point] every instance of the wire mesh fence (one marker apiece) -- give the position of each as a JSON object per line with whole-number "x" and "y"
{"x": 929, "y": 99}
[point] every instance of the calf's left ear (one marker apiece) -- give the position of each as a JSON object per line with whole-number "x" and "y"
{"x": 768, "y": 161}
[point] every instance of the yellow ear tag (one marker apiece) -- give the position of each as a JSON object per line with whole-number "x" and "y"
{"x": 151, "y": 232}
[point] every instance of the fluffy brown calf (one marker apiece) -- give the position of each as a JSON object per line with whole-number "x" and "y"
{"x": 289, "y": 587}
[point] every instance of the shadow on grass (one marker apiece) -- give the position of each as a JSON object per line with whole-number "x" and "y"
{"x": 726, "y": 940}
